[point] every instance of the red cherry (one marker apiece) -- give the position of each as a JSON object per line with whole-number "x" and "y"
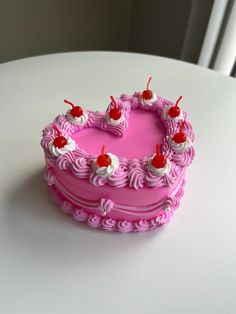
{"x": 114, "y": 112}
{"x": 159, "y": 161}
{"x": 60, "y": 141}
{"x": 147, "y": 93}
{"x": 76, "y": 111}
{"x": 180, "y": 137}
{"x": 174, "y": 111}
{"x": 103, "y": 160}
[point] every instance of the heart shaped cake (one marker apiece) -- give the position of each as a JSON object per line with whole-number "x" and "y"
{"x": 122, "y": 170}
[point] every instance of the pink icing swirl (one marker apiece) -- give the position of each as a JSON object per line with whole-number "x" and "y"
{"x": 67, "y": 207}
{"x": 96, "y": 180}
{"x": 184, "y": 159}
{"x": 108, "y": 224}
{"x": 124, "y": 226}
{"x": 80, "y": 167}
{"x": 136, "y": 174}
{"x": 49, "y": 176}
{"x": 153, "y": 180}
{"x": 164, "y": 217}
{"x": 65, "y": 161}
{"x": 120, "y": 177}
{"x": 80, "y": 215}
{"x": 141, "y": 225}
{"x": 105, "y": 206}
{"x": 94, "y": 221}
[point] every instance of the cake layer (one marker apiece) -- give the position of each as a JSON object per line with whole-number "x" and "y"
{"x": 94, "y": 219}
{"x": 127, "y": 203}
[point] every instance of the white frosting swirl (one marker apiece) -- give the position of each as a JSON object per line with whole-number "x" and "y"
{"x": 160, "y": 172}
{"x": 78, "y": 120}
{"x": 112, "y": 121}
{"x": 148, "y": 101}
{"x": 167, "y": 117}
{"x": 180, "y": 147}
{"x": 56, "y": 151}
{"x": 106, "y": 172}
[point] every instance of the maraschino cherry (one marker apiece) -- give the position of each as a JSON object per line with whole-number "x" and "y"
{"x": 60, "y": 141}
{"x": 76, "y": 111}
{"x": 115, "y": 112}
{"x": 174, "y": 111}
{"x": 103, "y": 160}
{"x": 147, "y": 93}
{"x": 159, "y": 161}
{"x": 180, "y": 137}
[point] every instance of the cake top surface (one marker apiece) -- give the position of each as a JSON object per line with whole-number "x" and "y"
{"x": 141, "y": 141}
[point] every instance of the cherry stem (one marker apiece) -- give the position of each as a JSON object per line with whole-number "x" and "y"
{"x": 149, "y": 80}
{"x": 158, "y": 149}
{"x": 103, "y": 149}
{"x": 56, "y": 129}
{"x": 182, "y": 126}
{"x": 177, "y": 102}
{"x": 69, "y": 103}
{"x": 114, "y": 102}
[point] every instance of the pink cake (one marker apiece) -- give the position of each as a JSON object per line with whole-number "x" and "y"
{"x": 121, "y": 170}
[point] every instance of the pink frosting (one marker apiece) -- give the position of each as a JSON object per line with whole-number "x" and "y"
{"x": 111, "y": 224}
{"x": 94, "y": 221}
{"x": 134, "y": 172}
{"x": 105, "y": 206}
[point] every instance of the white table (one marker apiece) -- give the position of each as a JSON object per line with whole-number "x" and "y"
{"x": 51, "y": 264}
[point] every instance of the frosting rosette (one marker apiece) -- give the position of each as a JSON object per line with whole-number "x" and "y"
{"x": 106, "y": 172}
{"x": 78, "y": 120}
{"x": 166, "y": 116}
{"x": 113, "y": 121}
{"x": 56, "y": 151}
{"x": 148, "y": 102}
{"x": 180, "y": 147}
{"x": 160, "y": 172}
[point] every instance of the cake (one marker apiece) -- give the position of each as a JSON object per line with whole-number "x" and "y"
{"x": 123, "y": 169}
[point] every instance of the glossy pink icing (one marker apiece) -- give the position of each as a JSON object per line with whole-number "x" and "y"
{"x": 132, "y": 198}
{"x": 143, "y": 125}
{"x": 94, "y": 220}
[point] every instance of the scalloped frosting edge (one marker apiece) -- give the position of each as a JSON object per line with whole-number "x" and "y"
{"x": 107, "y": 223}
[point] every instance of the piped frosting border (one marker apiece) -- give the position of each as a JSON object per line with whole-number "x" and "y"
{"x": 130, "y": 172}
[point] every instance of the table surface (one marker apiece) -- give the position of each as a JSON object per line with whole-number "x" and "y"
{"x": 51, "y": 264}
